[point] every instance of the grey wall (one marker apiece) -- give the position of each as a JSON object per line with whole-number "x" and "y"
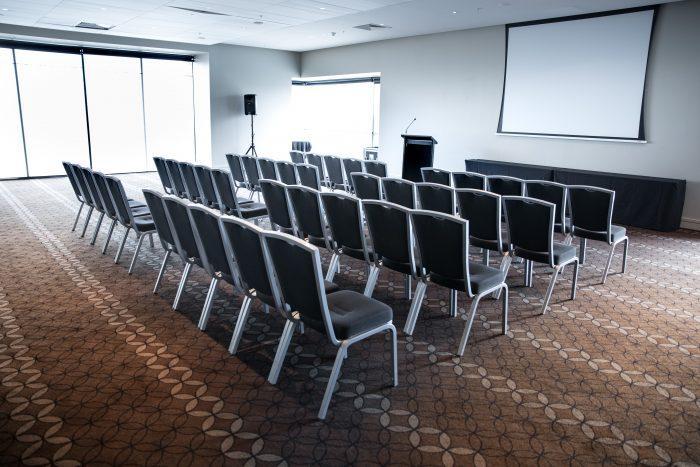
{"x": 452, "y": 83}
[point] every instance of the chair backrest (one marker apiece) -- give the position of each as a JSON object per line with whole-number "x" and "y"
{"x": 436, "y": 197}
{"x": 181, "y": 228}
{"x": 163, "y": 173}
{"x": 443, "y": 243}
{"x": 334, "y": 168}
{"x": 471, "y": 180}
{"x": 506, "y": 186}
{"x": 367, "y": 186}
{"x": 344, "y": 215}
{"x": 308, "y": 176}
{"x": 207, "y": 236}
{"x": 244, "y": 247}
{"x": 376, "y": 168}
{"x": 154, "y": 200}
{"x": 286, "y": 173}
{"x": 316, "y": 161}
{"x": 591, "y": 209}
{"x": 187, "y": 172}
{"x": 206, "y": 187}
{"x": 103, "y": 188}
{"x": 306, "y": 205}
{"x": 438, "y": 176}
{"x": 82, "y": 184}
{"x": 352, "y": 166}
{"x": 120, "y": 201}
{"x": 530, "y": 227}
{"x": 483, "y": 211}
{"x": 275, "y": 196}
{"x": 391, "y": 233}
{"x": 225, "y": 192}
{"x": 92, "y": 189}
{"x": 252, "y": 171}
{"x": 176, "y": 180}
{"x": 400, "y": 191}
{"x": 236, "y": 169}
{"x": 297, "y": 157}
{"x": 553, "y": 192}
{"x": 71, "y": 178}
{"x": 267, "y": 168}
{"x": 299, "y": 280}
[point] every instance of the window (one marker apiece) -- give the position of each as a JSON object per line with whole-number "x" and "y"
{"x": 12, "y": 163}
{"x": 337, "y": 117}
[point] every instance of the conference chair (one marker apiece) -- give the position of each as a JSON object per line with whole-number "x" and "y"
{"x": 191, "y": 187}
{"x": 317, "y": 161}
{"x": 334, "y": 169}
{"x": 482, "y": 209}
{"x": 437, "y": 176}
{"x": 142, "y": 225}
{"x": 555, "y": 193}
{"x": 229, "y": 203}
{"x": 367, "y": 186}
{"x": 473, "y": 180}
{"x": 87, "y": 197}
{"x": 163, "y": 174}
{"x": 236, "y": 168}
{"x": 591, "y": 219}
{"x": 183, "y": 236}
{"x": 206, "y": 186}
{"x": 345, "y": 226}
{"x": 506, "y": 186}
{"x": 286, "y": 172}
{"x": 376, "y": 168}
{"x": 443, "y": 242}
{"x": 297, "y": 157}
{"x": 97, "y": 202}
{"x": 275, "y": 197}
{"x": 392, "y": 239}
{"x": 436, "y": 197}
{"x": 531, "y": 237}
{"x": 68, "y": 167}
{"x": 308, "y": 176}
{"x": 154, "y": 200}
{"x": 252, "y": 175}
{"x": 267, "y": 168}
{"x": 176, "y": 181}
{"x": 352, "y": 166}
{"x": 399, "y": 191}
{"x": 344, "y": 317}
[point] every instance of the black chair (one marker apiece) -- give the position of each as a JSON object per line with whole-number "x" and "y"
{"x": 345, "y": 225}
{"x": 376, "y": 168}
{"x": 252, "y": 175}
{"x": 97, "y": 201}
{"x": 176, "y": 181}
{"x": 308, "y": 176}
{"x": 317, "y": 161}
{"x": 437, "y": 176}
{"x": 154, "y": 200}
{"x": 206, "y": 186}
{"x": 436, "y": 197}
{"x": 191, "y": 187}
{"x": 344, "y": 317}
{"x": 591, "y": 219}
{"x": 286, "y": 173}
{"x": 275, "y": 196}
{"x": 334, "y": 168}
{"x": 557, "y": 194}
{"x": 229, "y": 203}
{"x": 399, "y": 191}
{"x": 443, "y": 242}
{"x": 162, "y": 170}
{"x": 531, "y": 237}
{"x": 68, "y": 167}
{"x": 297, "y": 157}
{"x": 352, "y": 166}
{"x": 367, "y": 186}
{"x": 392, "y": 239}
{"x": 85, "y": 193}
{"x": 236, "y": 168}
{"x": 267, "y": 168}
{"x": 506, "y": 186}
{"x": 473, "y": 180}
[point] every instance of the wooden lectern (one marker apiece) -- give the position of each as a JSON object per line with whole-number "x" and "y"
{"x": 417, "y": 153}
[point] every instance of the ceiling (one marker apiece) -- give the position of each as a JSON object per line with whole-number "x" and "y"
{"x": 297, "y": 25}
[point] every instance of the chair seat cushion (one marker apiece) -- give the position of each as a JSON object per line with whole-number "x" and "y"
{"x": 140, "y": 211}
{"x": 617, "y": 233}
{"x": 330, "y": 287}
{"x": 352, "y": 313}
{"x": 144, "y": 223}
{"x": 244, "y": 201}
{"x": 563, "y": 253}
{"x": 482, "y": 278}
{"x": 134, "y": 203}
{"x": 251, "y": 210}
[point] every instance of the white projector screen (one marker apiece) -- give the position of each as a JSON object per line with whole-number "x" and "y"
{"x": 577, "y": 77}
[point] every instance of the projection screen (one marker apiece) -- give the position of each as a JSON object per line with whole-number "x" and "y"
{"x": 577, "y": 77}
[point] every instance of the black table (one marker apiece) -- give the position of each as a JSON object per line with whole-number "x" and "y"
{"x": 646, "y": 202}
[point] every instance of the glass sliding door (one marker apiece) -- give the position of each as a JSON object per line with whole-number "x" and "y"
{"x": 12, "y": 164}
{"x": 53, "y": 110}
{"x": 169, "y": 106}
{"x": 115, "y": 112}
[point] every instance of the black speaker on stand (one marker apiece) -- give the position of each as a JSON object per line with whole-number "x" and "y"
{"x": 249, "y": 108}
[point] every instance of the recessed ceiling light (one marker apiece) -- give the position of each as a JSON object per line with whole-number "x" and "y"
{"x": 454, "y": 12}
{"x": 5, "y": 9}
{"x": 322, "y": 8}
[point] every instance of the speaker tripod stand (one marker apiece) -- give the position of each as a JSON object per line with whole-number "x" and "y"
{"x": 251, "y": 149}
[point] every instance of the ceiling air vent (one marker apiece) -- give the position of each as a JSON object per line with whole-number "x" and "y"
{"x": 198, "y": 11}
{"x": 372, "y": 26}
{"x": 99, "y": 27}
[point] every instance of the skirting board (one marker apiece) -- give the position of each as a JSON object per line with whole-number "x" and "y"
{"x": 688, "y": 223}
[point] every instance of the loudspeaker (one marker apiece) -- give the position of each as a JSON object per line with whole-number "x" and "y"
{"x": 249, "y": 104}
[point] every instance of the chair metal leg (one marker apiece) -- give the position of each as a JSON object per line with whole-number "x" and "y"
{"x": 531, "y": 273}
{"x": 371, "y": 280}
{"x": 281, "y": 353}
{"x": 77, "y": 216}
{"x": 161, "y": 272}
{"x": 407, "y": 287}
{"x": 150, "y": 239}
{"x": 118, "y": 256}
{"x": 526, "y": 278}
{"x": 332, "y": 379}
{"x": 453, "y": 303}
{"x": 97, "y": 228}
{"x": 332, "y": 266}
{"x": 414, "y": 310}
{"x": 624, "y": 255}
{"x": 240, "y": 325}
{"x": 87, "y": 221}
{"x": 109, "y": 235}
{"x": 573, "y": 283}
{"x": 548, "y": 294}
{"x": 504, "y": 325}
{"x": 582, "y": 251}
{"x": 394, "y": 358}
{"x": 468, "y": 327}
{"x": 136, "y": 252}
{"x": 181, "y": 286}
{"x": 607, "y": 265}
{"x": 486, "y": 256}
{"x": 208, "y": 302}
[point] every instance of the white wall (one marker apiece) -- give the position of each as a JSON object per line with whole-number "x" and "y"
{"x": 452, "y": 83}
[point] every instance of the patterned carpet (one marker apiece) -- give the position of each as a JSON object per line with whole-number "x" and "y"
{"x": 95, "y": 369}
